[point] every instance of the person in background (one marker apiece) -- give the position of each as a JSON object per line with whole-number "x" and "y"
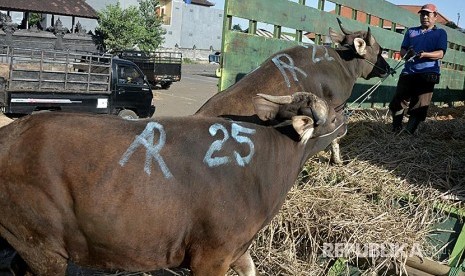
{"x": 423, "y": 47}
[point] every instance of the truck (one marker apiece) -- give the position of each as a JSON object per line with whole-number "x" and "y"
{"x": 35, "y": 80}
{"x": 161, "y": 68}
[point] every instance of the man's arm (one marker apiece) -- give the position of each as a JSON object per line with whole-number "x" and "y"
{"x": 438, "y": 54}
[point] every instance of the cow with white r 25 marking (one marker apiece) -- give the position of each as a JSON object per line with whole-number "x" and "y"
{"x": 118, "y": 195}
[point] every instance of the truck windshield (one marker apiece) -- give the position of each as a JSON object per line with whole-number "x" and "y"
{"x": 129, "y": 75}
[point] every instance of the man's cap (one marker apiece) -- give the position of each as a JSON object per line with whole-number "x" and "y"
{"x": 428, "y": 8}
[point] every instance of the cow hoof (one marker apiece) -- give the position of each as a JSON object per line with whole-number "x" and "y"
{"x": 336, "y": 162}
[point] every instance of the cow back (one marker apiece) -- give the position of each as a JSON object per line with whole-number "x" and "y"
{"x": 316, "y": 69}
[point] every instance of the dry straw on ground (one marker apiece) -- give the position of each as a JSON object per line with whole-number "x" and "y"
{"x": 364, "y": 200}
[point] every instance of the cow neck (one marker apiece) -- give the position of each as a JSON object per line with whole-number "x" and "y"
{"x": 288, "y": 131}
{"x": 351, "y": 61}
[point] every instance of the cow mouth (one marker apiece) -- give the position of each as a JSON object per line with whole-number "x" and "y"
{"x": 337, "y": 128}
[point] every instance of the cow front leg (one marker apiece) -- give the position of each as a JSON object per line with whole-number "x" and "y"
{"x": 244, "y": 266}
{"x": 335, "y": 152}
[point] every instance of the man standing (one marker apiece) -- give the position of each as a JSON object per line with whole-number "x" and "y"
{"x": 423, "y": 48}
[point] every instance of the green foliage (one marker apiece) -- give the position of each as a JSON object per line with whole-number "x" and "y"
{"x": 34, "y": 18}
{"x": 135, "y": 26}
{"x": 187, "y": 61}
{"x": 154, "y": 33}
{"x": 238, "y": 28}
{"x": 452, "y": 25}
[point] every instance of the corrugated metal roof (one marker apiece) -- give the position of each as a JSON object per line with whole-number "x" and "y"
{"x": 77, "y": 8}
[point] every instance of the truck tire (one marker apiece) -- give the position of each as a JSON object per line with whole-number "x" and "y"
{"x": 165, "y": 85}
{"x": 128, "y": 114}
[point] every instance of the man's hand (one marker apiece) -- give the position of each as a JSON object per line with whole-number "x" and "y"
{"x": 409, "y": 54}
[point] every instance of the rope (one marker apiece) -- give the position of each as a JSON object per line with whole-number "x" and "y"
{"x": 374, "y": 87}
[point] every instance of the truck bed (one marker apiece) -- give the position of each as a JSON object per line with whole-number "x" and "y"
{"x": 159, "y": 67}
{"x": 35, "y": 70}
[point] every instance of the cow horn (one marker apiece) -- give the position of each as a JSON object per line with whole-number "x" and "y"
{"x": 369, "y": 37}
{"x": 344, "y": 31}
{"x": 277, "y": 99}
{"x": 318, "y": 107}
{"x": 319, "y": 111}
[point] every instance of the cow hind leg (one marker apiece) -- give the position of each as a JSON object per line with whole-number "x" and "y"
{"x": 244, "y": 266}
{"x": 211, "y": 264}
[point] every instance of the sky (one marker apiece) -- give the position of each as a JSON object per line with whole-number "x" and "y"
{"x": 448, "y": 8}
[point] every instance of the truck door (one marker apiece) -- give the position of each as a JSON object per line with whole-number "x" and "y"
{"x": 132, "y": 92}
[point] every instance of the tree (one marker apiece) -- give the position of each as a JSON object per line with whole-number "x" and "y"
{"x": 135, "y": 26}
{"x": 452, "y": 25}
{"x": 237, "y": 27}
{"x": 154, "y": 34}
{"x": 34, "y": 19}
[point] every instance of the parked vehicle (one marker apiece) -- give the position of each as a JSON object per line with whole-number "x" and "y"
{"x": 214, "y": 58}
{"x": 33, "y": 80}
{"x": 161, "y": 68}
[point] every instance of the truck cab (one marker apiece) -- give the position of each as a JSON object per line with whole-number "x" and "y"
{"x": 131, "y": 91}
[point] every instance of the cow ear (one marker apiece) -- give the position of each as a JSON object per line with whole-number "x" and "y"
{"x": 360, "y": 46}
{"x": 336, "y": 37}
{"x": 303, "y": 125}
{"x": 265, "y": 109}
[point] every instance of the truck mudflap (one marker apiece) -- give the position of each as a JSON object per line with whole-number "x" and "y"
{"x": 152, "y": 110}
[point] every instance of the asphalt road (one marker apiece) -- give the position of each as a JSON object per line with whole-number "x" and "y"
{"x": 198, "y": 83}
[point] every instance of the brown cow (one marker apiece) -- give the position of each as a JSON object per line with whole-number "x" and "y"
{"x": 329, "y": 73}
{"x": 111, "y": 194}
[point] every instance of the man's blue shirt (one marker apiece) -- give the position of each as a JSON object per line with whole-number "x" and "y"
{"x": 428, "y": 41}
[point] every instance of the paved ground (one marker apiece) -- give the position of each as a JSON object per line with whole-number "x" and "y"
{"x": 198, "y": 83}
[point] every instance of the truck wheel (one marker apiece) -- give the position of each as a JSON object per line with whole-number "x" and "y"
{"x": 165, "y": 85}
{"x": 128, "y": 114}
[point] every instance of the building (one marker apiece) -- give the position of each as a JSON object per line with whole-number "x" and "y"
{"x": 191, "y": 24}
{"x": 67, "y": 35}
{"x": 70, "y": 12}
{"x": 362, "y": 17}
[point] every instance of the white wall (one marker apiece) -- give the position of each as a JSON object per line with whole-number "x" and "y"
{"x": 194, "y": 25}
